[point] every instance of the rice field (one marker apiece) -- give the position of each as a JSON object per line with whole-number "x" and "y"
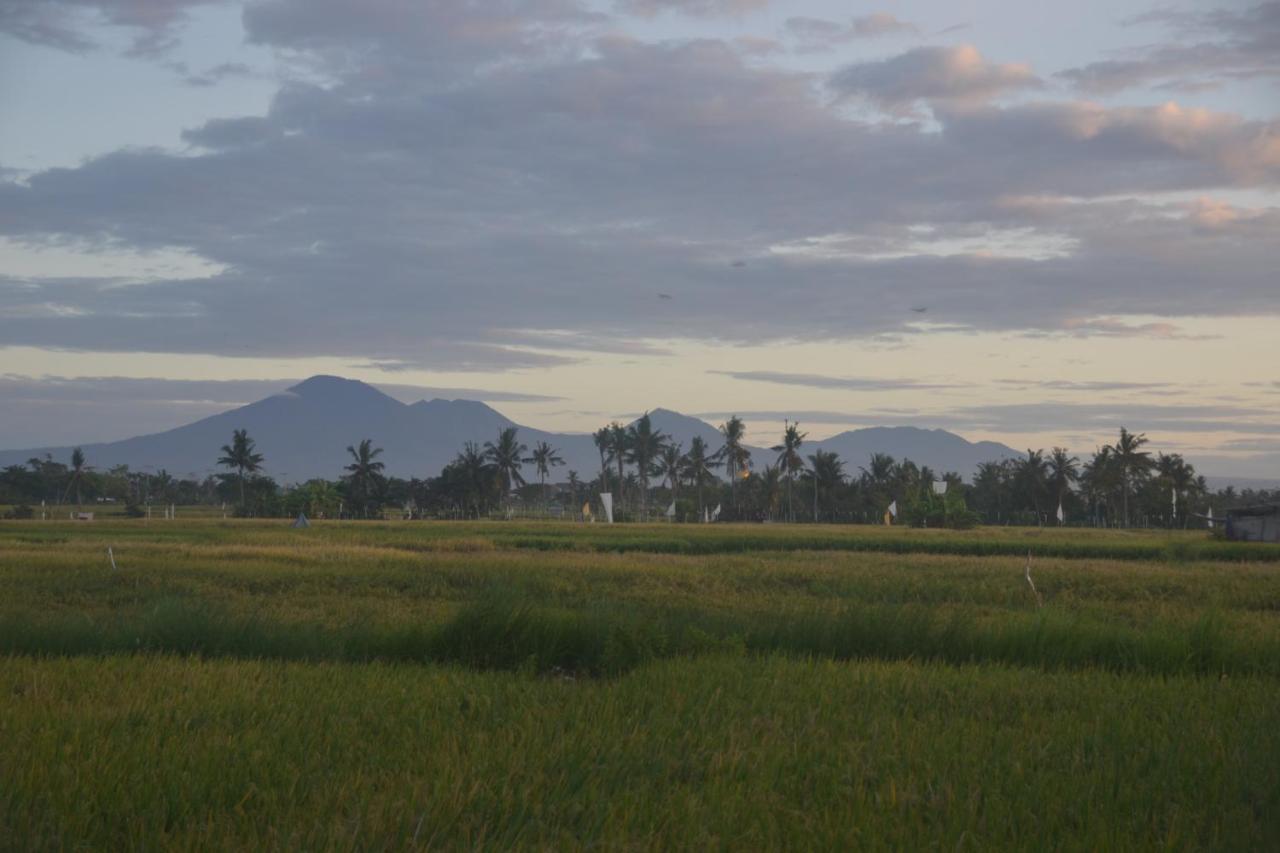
{"x": 392, "y": 685}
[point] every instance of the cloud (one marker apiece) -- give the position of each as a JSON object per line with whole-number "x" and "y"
{"x": 73, "y": 25}
{"x": 508, "y": 186}
{"x": 1211, "y": 48}
{"x": 844, "y": 383}
{"x": 694, "y": 8}
{"x": 816, "y": 34}
{"x": 949, "y": 75}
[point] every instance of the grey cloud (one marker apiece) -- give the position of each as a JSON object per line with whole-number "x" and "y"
{"x": 1085, "y": 386}
{"x": 959, "y": 75}
{"x": 73, "y": 25}
{"x": 696, "y": 8}
{"x": 501, "y": 218}
{"x": 814, "y": 34}
{"x": 845, "y": 383}
{"x": 1234, "y": 44}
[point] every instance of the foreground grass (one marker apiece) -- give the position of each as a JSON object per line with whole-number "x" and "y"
{"x": 146, "y": 752}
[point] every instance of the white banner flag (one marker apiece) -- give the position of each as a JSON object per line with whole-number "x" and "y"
{"x": 893, "y": 509}
{"x": 940, "y": 487}
{"x": 606, "y": 501}
{"x": 1174, "y": 498}
{"x": 671, "y": 510}
{"x": 1210, "y": 518}
{"x": 715, "y": 514}
{"x": 1062, "y": 516}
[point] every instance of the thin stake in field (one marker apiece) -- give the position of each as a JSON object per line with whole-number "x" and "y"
{"x": 1031, "y": 583}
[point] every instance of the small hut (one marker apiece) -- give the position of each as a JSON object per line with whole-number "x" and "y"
{"x": 1259, "y": 523}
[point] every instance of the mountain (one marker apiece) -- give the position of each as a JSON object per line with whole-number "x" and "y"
{"x": 941, "y": 450}
{"x": 303, "y": 432}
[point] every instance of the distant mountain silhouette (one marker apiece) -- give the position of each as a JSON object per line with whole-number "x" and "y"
{"x": 303, "y": 432}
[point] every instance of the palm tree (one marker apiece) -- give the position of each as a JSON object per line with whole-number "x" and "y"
{"x": 506, "y": 455}
{"x": 735, "y": 455}
{"x": 1180, "y": 477}
{"x": 771, "y": 486}
{"x": 1033, "y": 480}
{"x": 77, "y": 475}
{"x": 474, "y": 472}
{"x": 1100, "y": 478}
{"x": 697, "y": 467}
{"x": 240, "y": 455}
{"x": 364, "y": 474}
{"x": 1064, "y": 469}
{"x": 828, "y": 473}
{"x": 669, "y": 467}
{"x": 575, "y": 486}
{"x": 789, "y": 460}
{"x": 643, "y": 444}
{"x": 1132, "y": 462}
{"x": 544, "y": 457}
{"x": 618, "y": 450}
{"x": 603, "y": 439}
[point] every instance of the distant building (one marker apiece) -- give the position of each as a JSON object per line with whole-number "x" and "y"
{"x": 1254, "y": 523}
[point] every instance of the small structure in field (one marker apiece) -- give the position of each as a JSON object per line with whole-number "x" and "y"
{"x": 301, "y": 520}
{"x": 1259, "y": 523}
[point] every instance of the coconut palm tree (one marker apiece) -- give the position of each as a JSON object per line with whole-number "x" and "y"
{"x": 77, "y": 475}
{"x": 575, "y": 486}
{"x": 696, "y": 466}
{"x": 828, "y": 474}
{"x": 240, "y": 455}
{"x": 544, "y": 458}
{"x": 1180, "y": 477}
{"x": 737, "y": 458}
{"x": 1064, "y": 470}
{"x": 771, "y": 489}
{"x": 1132, "y": 463}
{"x": 789, "y": 459}
{"x": 603, "y": 439}
{"x": 618, "y": 450}
{"x": 670, "y": 466}
{"x": 506, "y": 455}
{"x": 1032, "y": 478}
{"x": 1101, "y": 479}
{"x": 364, "y": 475}
{"x": 475, "y": 474}
{"x": 643, "y": 444}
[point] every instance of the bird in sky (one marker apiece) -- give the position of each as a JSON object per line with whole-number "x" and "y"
{"x": 664, "y": 295}
{"x": 919, "y": 310}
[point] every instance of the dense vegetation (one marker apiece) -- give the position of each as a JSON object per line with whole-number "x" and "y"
{"x": 651, "y": 477}
{"x": 242, "y": 683}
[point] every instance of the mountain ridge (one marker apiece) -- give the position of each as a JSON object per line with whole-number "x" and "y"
{"x": 303, "y": 432}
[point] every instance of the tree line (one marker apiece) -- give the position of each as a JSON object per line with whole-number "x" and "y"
{"x": 652, "y": 476}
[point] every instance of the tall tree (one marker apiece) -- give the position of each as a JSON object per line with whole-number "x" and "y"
{"x": 1133, "y": 463}
{"x": 603, "y": 439}
{"x": 618, "y": 449}
{"x": 1032, "y": 477}
{"x": 77, "y": 475}
{"x": 364, "y": 475}
{"x": 735, "y": 455}
{"x": 670, "y": 466}
{"x": 643, "y": 444}
{"x": 506, "y": 455}
{"x": 789, "y": 459}
{"x": 544, "y": 458}
{"x": 1064, "y": 472}
{"x": 474, "y": 475}
{"x": 828, "y": 474}
{"x": 241, "y": 456}
{"x": 697, "y": 465}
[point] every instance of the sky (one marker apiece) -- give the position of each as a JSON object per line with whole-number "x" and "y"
{"x": 1019, "y": 221}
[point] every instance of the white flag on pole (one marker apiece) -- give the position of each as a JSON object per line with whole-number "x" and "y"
{"x": 1062, "y": 516}
{"x": 1210, "y": 518}
{"x": 1174, "y": 497}
{"x": 606, "y": 501}
{"x": 893, "y": 509}
{"x": 671, "y": 510}
{"x": 715, "y": 515}
{"x": 940, "y": 487}
{"x": 706, "y": 515}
